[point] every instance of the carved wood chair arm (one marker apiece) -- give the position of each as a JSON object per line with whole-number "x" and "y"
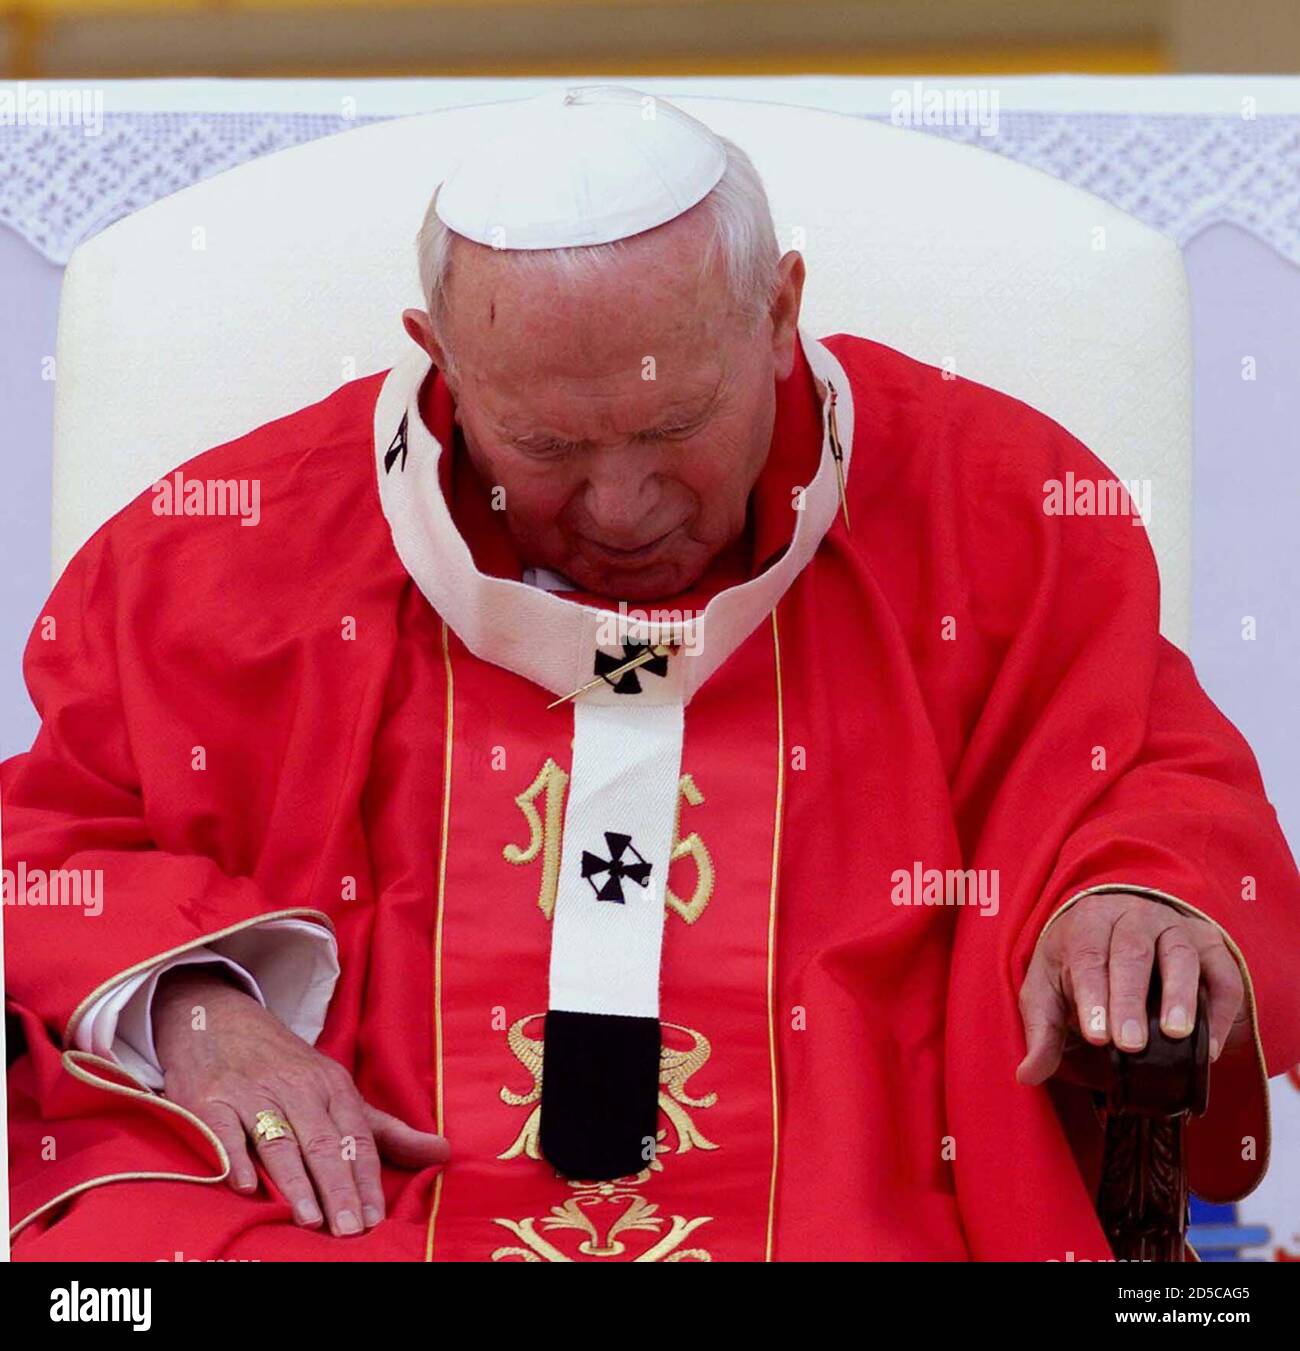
{"x": 1145, "y": 1099}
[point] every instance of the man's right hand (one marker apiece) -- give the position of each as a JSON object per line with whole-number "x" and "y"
{"x": 241, "y": 1060}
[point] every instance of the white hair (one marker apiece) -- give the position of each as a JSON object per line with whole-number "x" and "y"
{"x": 742, "y": 234}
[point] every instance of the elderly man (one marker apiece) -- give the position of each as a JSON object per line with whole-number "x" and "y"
{"x": 655, "y": 786}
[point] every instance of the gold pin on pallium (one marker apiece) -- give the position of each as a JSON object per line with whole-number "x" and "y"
{"x": 837, "y": 451}
{"x": 609, "y": 677}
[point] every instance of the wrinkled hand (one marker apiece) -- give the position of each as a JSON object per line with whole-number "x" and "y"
{"x": 1093, "y": 970}
{"x": 245, "y": 1061}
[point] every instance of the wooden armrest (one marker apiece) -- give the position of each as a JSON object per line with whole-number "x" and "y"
{"x": 1145, "y": 1099}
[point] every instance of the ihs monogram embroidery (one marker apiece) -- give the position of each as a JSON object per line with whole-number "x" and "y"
{"x": 397, "y": 447}
{"x": 609, "y": 1215}
{"x": 546, "y": 829}
{"x": 616, "y": 867}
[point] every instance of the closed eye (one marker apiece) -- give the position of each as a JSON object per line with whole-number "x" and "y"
{"x": 548, "y": 447}
{"x": 672, "y": 433}
{"x": 679, "y": 433}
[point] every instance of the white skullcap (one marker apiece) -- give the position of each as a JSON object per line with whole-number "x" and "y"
{"x": 582, "y": 165}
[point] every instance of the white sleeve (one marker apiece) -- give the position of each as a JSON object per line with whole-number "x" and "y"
{"x": 290, "y": 965}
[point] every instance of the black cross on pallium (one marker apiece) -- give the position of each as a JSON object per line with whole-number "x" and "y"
{"x": 397, "y": 447}
{"x": 628, "y": 683}
{"x": 616, "y": 867}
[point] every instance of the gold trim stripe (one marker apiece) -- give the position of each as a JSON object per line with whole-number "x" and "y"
{"x": 80, "y": 1011}
{"x": 73, "y": 1062}
{"x": 771, "y": 937}
{"x": 447, "y": 738}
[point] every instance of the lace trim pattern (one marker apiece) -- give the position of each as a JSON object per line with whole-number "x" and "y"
{"x": 1177, "y": 173}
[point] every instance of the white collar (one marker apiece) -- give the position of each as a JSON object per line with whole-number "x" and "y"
{"x": 540, "y": 636}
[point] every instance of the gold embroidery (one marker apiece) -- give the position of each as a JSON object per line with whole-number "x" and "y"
{"x": 635, "y": 1215}
{"x": 546, "y": 830}
{"x": 694, "y": 848}
{"x": 528, "y": 1052}
{"x": 675, "y": 1070}
{"x": 543, "y": 837}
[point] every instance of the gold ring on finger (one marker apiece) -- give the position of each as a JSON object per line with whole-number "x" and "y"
{"x": 270, "y": 1126}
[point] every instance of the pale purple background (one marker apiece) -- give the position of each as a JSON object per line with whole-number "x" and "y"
{"x": 29, "y": 297}
{"x": 1246, "y": 302}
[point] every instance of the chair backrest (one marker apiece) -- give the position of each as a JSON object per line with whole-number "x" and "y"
{"x": 263, "y": 288}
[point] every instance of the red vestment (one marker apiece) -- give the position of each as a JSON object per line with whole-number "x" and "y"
{"x": 962, "y": 682}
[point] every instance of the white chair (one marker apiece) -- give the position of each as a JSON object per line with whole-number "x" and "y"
{"x": 263, "y": 288}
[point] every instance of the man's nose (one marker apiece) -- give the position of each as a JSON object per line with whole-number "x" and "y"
{"x": 623, "y": 492}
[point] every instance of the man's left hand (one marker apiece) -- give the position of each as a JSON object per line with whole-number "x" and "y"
{"x": 1093, "y": 971}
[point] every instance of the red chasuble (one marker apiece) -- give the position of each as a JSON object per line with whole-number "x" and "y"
{"x": 966, "y": 681}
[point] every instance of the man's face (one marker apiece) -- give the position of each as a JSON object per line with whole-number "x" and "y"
{"x": 627, "y": 417}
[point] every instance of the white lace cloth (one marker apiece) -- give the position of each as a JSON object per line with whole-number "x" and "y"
{"x": 1178, "y": 172}
{"x": 59, "y": 186}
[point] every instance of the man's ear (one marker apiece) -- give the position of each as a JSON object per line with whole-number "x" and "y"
{"x": 784, "y": 312}
{"x": 420, "y": 331}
